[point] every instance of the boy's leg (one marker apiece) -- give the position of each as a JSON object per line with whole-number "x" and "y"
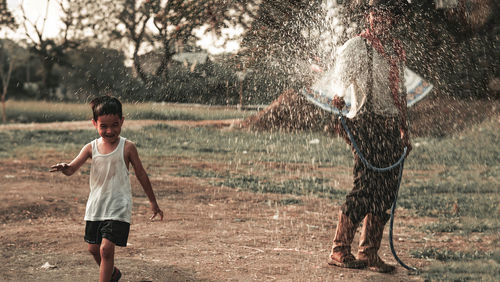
{"x": 93, "y": 238}
{"x": 94, "y": 250}
{"x": 107, "y": 252}
{"x": 114, "y": 233}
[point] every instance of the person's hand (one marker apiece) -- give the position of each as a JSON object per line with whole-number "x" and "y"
{"x": 156, "y": 211}
{"x": 59, "y": 167}
{"x": 405, "y": 137}
{"x": 338, "y": 102}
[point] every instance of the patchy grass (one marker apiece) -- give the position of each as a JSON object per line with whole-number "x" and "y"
{"x": 453, "y": 180}
{"x": 449, "y": 255}
{"x": 459, "y": 265}
{"x": 462, "y": 226}
{"x": 475, "y": 146}
{"x": 475, "y": 270}
{"x": 39, "y": 111}
{"x": 301, "y": 187}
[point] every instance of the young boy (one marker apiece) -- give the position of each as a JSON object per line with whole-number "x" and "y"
{"x": 109, "y": 206}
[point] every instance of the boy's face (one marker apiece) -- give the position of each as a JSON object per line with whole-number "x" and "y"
{"x": 109, "y": 127}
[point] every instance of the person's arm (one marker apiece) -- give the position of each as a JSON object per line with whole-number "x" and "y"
{"x": 74, "y": 165}
{"x": 405, "y": 124}
{"x": 143, "y": 178}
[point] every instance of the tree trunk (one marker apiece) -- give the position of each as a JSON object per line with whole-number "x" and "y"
{"x": 5, "y": 84}
{"x": 166, "y": 58}
{"x": 240, "y": 105}
{"x": 137, "y": 63}
{"x": 4, "y": 114}
{"x": 44, "y": 92}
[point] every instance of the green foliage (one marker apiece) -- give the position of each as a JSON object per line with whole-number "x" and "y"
{"x": 6, "y": 18}
{"x": 449, "y": 255}
{"x": 17, "y": 139}
{"x": 13, "y": 57}
{"x": 428, "y": 202}
{"x": 458, "y": 265}
{"x": 475, "y": 270}
{"x": 96, "y": 71}
{"x": 290, "y": 201}
{"x": 469, "y": 170}
{"x": 462, "y": 226}
{"x": 476, "y": 146}
{"x": 284, "y": 39}
{"x": 207, "y": 83}
{"x": 191, "y": 172}
{"x": 304, "y": 186}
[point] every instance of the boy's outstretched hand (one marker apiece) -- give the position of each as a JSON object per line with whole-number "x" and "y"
{"x": 156, "y": 211}
{"x": 59, "y": 167}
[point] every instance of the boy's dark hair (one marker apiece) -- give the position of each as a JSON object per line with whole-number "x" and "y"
{"x": 106, "y": 105}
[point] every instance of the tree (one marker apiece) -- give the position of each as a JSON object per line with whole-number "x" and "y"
{"x": 135, "y": 15}
{"x": 173, "y": 23}
{"x": 6, "y": 18}
{"x": 454, "y": 47}
{"x": 283, "y": 40}
{"x": 97, "y": 71}
{"x": 5, "y": 79}
{"x": 52, "y": 51}
{"x": 6, "y": 62}
{"x": 10, "y": 56}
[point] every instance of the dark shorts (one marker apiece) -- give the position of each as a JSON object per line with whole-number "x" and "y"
{"x": 114, "y": 231}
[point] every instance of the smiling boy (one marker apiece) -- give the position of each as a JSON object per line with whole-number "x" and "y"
{"x": 109, "y": 206}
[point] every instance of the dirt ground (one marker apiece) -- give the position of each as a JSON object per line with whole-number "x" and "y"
{"x": 209, "y": 233}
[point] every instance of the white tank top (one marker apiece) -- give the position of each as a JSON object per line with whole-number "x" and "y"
{"x": 110, "y": 191}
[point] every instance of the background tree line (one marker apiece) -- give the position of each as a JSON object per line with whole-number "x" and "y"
{"x": 131, "y": 48}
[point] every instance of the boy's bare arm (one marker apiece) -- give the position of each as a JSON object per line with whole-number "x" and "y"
{"x": 74, "y": 165}
{"x": 143, "y": 178}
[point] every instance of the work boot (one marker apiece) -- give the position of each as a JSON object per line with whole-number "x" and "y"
{"x": 341, "y": 250}
{"x": 369, "y": 244}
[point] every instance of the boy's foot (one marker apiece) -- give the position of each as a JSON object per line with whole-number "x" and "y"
{"x": 116, "y": 275}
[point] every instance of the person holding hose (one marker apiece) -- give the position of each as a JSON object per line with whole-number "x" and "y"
{"x": 372, "y": 63}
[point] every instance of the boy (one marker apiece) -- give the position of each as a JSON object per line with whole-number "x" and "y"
{"x": 109, "y": 206}
{"x": 373, "y": 62}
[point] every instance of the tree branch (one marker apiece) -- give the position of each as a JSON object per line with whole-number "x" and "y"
{"x": 45, "y": 17}
{"x": 26, "y": 20}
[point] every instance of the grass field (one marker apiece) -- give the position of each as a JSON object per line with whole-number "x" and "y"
{"x": 26, "y": 111}
{"x": 452, "y": 182}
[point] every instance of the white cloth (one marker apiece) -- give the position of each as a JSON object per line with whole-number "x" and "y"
{"x": 110, "y": 191}
{"x": 350, "y": 78}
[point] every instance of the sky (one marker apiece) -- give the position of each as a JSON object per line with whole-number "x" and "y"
{"x": 35, "y": 12}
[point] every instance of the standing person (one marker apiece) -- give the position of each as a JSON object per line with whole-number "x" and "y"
{"x": 109, "y": 206}
{"x": 373, "y": 64}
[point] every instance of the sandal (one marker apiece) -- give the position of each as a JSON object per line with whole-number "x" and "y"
{"x": 116, "y": 275}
